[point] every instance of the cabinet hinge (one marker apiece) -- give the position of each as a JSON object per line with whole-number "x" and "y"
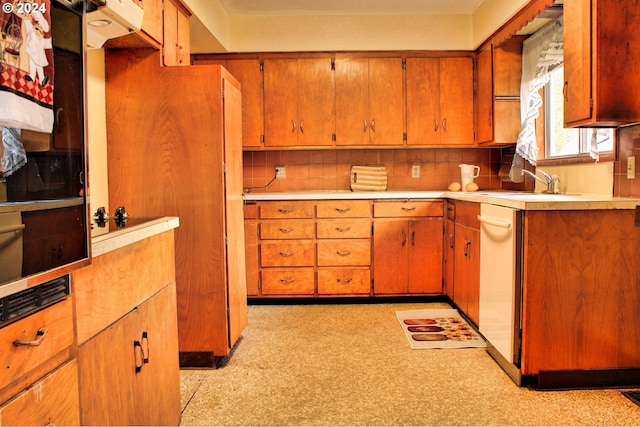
{"x": 333, "y": 65}
{"x": 226, "y": 241}
{"x": 262, "y": 138}
{"x": 224, "y": 168}
{"x": 404, "y": 136}
{"x": 259, "y": 284}
{"x": 372, "y": 229}
{"x": 333, "y": 137}
{"x": 404, "y": 64}
{"x": 261, "y": 66}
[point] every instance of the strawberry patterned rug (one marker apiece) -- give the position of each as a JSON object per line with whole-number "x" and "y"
{"x": 442, "y": 328}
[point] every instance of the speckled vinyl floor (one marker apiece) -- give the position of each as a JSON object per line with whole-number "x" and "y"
{"x": 350, "y": 364}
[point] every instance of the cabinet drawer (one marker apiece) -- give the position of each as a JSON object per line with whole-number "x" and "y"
{"x": 287, "y": 254}
{"x": 344, "y": 228}
{"x": 344, "y": 281}
{"x": 344, "y": 209}
{"x": 287, "y": 230}
{"x": 288, "y": 282}
{"x": 55, "y": 321}
{"x": 278, "y": 210}
{"x": 344, "y": 252}
{"x": 407, "y": 209}
{"x": 467, "y": 214}
{"x": 52, "y": 401}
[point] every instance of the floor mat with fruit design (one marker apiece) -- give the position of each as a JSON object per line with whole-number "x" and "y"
{"x": 442, "y": 328}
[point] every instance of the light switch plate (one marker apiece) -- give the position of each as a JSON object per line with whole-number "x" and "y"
{"x": 631, "y": 167}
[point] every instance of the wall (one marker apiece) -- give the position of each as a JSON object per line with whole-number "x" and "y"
{"x": 234, "y": 33}
{"x": 97, "y": 131}
{"x": 329, "y": 170}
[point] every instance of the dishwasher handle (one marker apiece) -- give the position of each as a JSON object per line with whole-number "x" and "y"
{"x": 494, "y": 222}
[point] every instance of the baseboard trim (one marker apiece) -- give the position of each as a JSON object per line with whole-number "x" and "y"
{"x": 588, "y": 378}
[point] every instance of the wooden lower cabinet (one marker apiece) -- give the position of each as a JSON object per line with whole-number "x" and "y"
{"x": 51, "y": 401}
{"x": 129, "y": 373}
{"x": 466, "y": 254}
{"x": 288, "y": 282}
{"x": 407, "y": 248}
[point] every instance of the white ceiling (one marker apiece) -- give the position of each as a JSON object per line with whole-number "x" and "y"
{"x": 349, "y": 7}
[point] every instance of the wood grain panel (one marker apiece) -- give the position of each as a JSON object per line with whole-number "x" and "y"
{"x": 423, "y": 100}
{"x": 17, "y": 361}
{"x": 582, "y": 271}
{"x": 52, "y": 401}
{"x": 348, "y": 252}
{"x": 288, "y": 282}
{"x": 344, "y": 209}
{"x": 344, "y": 228}
{"x": 294, "y": 229}
{"x": 407, "y": 209}
{"x": 347, "y": 281}
{"x": 279, "y": 210}
{"x": 119, "y": 280}
{"x": 287, "y": 254}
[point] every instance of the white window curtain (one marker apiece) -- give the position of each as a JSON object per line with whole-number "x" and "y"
{"x": 541, "y": 53}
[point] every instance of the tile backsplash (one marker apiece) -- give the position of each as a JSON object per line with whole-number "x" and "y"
{"x": 329, "y": 170}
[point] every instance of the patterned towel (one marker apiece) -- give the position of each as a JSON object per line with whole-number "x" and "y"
{"x": 26, "y": 66}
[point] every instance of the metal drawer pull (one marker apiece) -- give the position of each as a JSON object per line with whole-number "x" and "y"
{"x": 373, "y": 125}
{"x": 286, "y": 230}
{"x": 293, "y": 126}
{"x": 343, "y": 210}
{"x": 435, "y": 125}
{"x": 343, "y": 253}
{"x": 288, "y": 281}
{"x": 343, "y": 229}
{"x": 365, "y": 126}
{"x": 138, "y": 354}
{"x": 39, "y": 337}
{"x": 494, "y": 222}
{"x": 145, "y": 343}
{"x": 286, "y": 254}
{"x": 345, "y": 281}
{"x": 301, "y": 126}
{"x": 285, "y": 211}
{"x": 11, "y": 228}
{"x": 408, "y": 208}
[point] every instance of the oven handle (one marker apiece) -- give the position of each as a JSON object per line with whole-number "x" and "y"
{"x": 494, "y": 222}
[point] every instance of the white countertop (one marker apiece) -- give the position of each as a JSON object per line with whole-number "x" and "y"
{"x": 512, "y": 199}
{"x": 126, "y": 236}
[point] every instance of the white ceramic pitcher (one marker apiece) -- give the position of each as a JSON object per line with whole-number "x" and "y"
{"x": 468, "y": 174}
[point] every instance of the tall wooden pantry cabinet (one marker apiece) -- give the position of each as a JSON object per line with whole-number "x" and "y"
{"x": 174, "y": 140}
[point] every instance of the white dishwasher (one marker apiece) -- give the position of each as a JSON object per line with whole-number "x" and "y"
{"x": 501, "y": 283}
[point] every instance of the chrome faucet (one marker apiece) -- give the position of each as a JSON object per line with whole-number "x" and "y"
{"x": 548, "y": 180}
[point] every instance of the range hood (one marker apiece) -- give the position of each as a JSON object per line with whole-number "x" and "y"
{"x": 111, "y": 19}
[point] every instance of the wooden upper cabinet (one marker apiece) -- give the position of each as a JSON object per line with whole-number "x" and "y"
{"x": 150, "y": 34}
{"x": 248, "y": 73}
{"x": 299, "y": 107}
{"x": 601, "y": 67}
{"x": 177, "y": 45}
{"x": 498, "y": 80}
{"x": 369, "y": 101}
{"x": 439, "y": 101}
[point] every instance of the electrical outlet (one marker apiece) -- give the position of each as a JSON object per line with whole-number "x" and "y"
{"x": 415, "y": 171}
{"x": 631, "y": 167}
{"x": 281, "y": 172}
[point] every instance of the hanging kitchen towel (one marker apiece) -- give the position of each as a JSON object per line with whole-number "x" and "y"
{"x": 368, "y": 178}
{"x": 13, "y": 155}
{"x": 26, "y": 65}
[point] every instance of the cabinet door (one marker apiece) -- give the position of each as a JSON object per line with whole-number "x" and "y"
{"x": 484, "y": 100}
{"x": 456, "y": 101}
{"x": 352, "y": 101}
{"x": 280, "y": 102}
{"x": 158, "y": 386}
{"x": 577, "y": 61}
{"x": 425, "y": 256}
{"x": 248, "y": 73}
{"x": 423, "y": 101}
{"x": 152, "y": 19}
{"x": 449, "y": 245}
{"x": 176, "y": 34}
{"x": 467, "y": 271}
{"x": 386, "y": 101}
{"x": 316, "y": 102}
{"x": 390, "y": 248}
{"x": 251, "y": 256}
{"x": 138, "y": 357}
{"x": 236, "y": 276}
